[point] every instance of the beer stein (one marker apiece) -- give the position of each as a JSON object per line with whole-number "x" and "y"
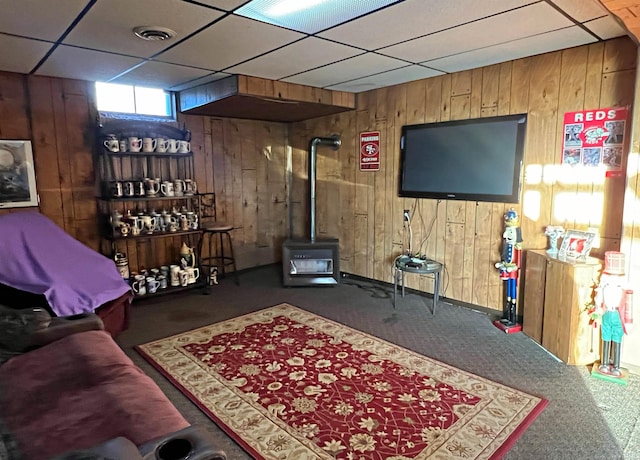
{"x": 152, "y": 187}
{"x": 148, "y": 144}
{"x": 139, "y": 188}
{"x": 135, "y": 144}
{"x": 184, "y": 147}
{"x": 167, "y": 189}
{"x": 172, "y": 146}
{"x": 128, "y": 188}
{"x": 115, "y": 189}
{"x": 161, "y": 145}
{"x": 178, "y": 187}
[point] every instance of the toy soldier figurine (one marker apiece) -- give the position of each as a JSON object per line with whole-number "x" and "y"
{"x": 613, "y": 303}
{"x": 509, "y": 269}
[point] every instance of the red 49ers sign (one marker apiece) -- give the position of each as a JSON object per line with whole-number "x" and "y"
{"x": 370, "y": 151}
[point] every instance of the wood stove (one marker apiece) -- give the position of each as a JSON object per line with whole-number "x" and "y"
{"x": 312, "y": 262}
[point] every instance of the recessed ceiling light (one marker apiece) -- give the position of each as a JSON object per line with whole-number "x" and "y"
{"x": 308, "y": 16}
{"x": 154, "y": 33}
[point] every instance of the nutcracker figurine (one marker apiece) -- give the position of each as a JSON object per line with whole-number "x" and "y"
{"x": 509, "y": 271}
{"x": 613, "y": 306}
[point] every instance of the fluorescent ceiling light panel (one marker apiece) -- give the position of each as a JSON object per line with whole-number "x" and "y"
{"x": 309, "y": 16}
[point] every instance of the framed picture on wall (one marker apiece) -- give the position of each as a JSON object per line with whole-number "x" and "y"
{"x": 17, "y": 175}
{"x": 576, "y": 244}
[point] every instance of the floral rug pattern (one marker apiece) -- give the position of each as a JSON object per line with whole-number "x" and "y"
{"x": 288, "y": 384}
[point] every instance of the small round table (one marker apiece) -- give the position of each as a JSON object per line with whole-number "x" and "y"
{"x": 405, "y": 264}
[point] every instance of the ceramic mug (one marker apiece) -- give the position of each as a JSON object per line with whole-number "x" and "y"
{"x": 135, "y": 144}
{"x": 178, "y": 187}
{"x": 122, "y": 145}
{"x": 174, "y": 273}
{"x": 138, "y": 285}
{"x": 161, "y": 145}
{"x": 167, "y": 189}
{"x": 183, "y": 277}
{"x": 172, "y": 146}
{"x": 152, "y": 284}
{"x": 139, "y": 188}
{"x": 112, "y": 144}
{"x": 162, "y": 281}
{"x": 115, "y": 188}
{"x": 193, "y": 274}
{"x": 152, "y": 187}
{"x": 148, "y": 144}
{"x": 128, "y": 188}
{"x": 184, "y": 147}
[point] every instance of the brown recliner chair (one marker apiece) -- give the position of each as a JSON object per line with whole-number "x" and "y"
{"x": 24, "y": 330}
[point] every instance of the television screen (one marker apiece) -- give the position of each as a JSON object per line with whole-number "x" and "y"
{"x": 476, "y": 160}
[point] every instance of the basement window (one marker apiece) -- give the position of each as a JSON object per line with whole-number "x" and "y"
{"x": 134, "y": 102}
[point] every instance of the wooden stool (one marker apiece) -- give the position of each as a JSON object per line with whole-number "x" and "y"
{"x": 215, "y": 233}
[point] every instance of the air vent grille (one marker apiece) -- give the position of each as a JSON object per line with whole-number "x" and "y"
{"x": 154, "y": 33}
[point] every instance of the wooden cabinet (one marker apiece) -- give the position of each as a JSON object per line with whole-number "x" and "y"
{"x": 556, "y": 294}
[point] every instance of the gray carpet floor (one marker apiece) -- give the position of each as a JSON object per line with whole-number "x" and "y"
{"x": 586, "y": 418}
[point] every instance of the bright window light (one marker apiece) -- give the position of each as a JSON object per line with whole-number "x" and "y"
{"x": 115, "y": 98}
{"x": 133, "y": 99}
{"x": 308, "y": 16}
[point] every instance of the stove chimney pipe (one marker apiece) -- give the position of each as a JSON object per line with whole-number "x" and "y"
{"x": 334, "y": 142}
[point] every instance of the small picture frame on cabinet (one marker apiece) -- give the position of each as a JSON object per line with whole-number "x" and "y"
{"x": 576, "y": 245}
{"x": 17, "y": 175}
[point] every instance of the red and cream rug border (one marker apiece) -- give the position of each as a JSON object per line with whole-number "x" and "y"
{"x": 223, "y": 401}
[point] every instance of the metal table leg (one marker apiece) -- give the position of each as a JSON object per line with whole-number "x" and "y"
{"x": 395, "y": 286}
{"x": 436, "y": 290}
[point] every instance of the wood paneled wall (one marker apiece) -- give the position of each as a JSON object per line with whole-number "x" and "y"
{"x": 57, "y": 115}
{"x": 243, "y": 161}
{"x": 363, "y": 209}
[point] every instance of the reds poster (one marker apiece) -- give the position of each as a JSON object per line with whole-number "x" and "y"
{"x": 595, "y": 138}
{"x": 370, "y": 151}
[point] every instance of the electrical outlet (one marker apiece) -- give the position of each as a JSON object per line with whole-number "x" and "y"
{"x": 405, "y": 215}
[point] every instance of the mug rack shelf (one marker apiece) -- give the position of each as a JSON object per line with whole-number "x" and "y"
{"x": 147, "y": 198}
{"x": 146, "y": 250}
{"x": 146, "y": 154}
{"x": 154, "y": 235}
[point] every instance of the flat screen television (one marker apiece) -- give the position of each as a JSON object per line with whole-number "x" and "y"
{"x": 476, "y": 160}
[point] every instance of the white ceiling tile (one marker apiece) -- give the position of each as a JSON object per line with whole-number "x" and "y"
{"x": 229, "y": 42}
{"x": 392, "y": 77}
{"x": 303, "y": 55}
{"x": 160, "y": 75}
{"x": 582, "y": 10}
{"x": 21, "y": 54}
{"x": 606, "y": 27}
{"x": 83, "y": 64}
{"x": 551, "y": 41}
{"x": 349, "y": 69}
{"x": 413, "y": 18}
{"x": 308, "y": 16}
{"x": 106, "y": 28}
{"x": 200, "y": 81}
{"x": 513, "y": 25}
{"x": 32, "y": 18}
{"x": 227, "y": 5}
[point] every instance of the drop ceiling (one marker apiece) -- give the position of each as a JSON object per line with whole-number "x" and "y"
{"x": 402, "y": 41}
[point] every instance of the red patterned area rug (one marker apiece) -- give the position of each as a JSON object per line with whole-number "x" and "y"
{"x": 288, "y": 384}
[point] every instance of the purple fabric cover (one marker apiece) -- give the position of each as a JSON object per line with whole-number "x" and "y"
{"x": 80, "y": 391}
{"x": 37, "y": 256}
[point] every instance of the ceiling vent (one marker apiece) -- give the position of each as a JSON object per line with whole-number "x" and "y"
{"x": 154, "y": 33}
